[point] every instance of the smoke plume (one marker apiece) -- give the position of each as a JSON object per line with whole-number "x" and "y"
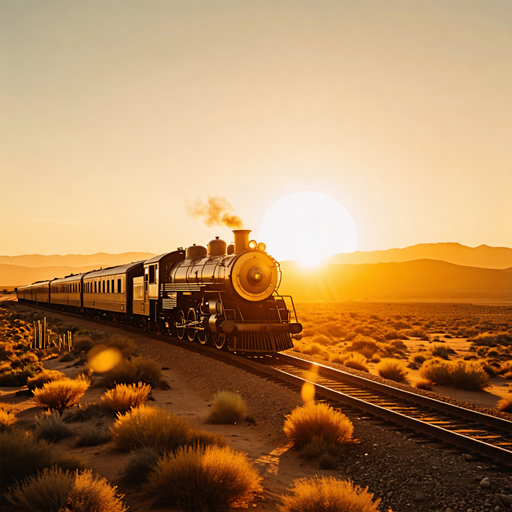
{"x": 216, "y": 211}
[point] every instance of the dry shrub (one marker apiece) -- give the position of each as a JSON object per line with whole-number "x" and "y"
{"x": 60, "y": 394}
{"x": 140, "y": 465}
{"x": 328, "y": 495}
{"x": 492, "y": 339}
{"x": 137, "y": 369}
{"x": 5, "y": 366}
{"x": 505, "y": 404}
{"x": 18, "y": 376}
{"x": 418, "y": 357}
{"x": 228, "y": 408}
{"x": 6, "y": 350}
{"x": 317, "y": 420}
{"x": 399, "y": 345}
{"x": 91, "y": 436}
{"x": 54, "y": 489}
{"x": 85, "y": 413}
{"x": 314, "y": 349}
{"x": 123, "y": 397}
{"x": 208, "y": 479}
{"x": 125, "y": 345}
{"x": 392, "y": 369}
{"x": 318, "y": 447}
{"x": 357, "y": 361}
{"x": 51, "y": 427}
{"x": 424, "y": 384}
{"x": 43, "y": 377}
{"x": 149, "y": 426}
{"x": 322, "y": 339}
{"x": 197, "y": 437}
{"x": 442, "y": 352}
{"x": 459, "y": 374}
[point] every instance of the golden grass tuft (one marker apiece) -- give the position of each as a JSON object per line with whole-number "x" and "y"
{"x": 60, "y": 394}
{"x": 43, "y": 377}
{"x": 392, "y": 369}
{"x": 328, "y": 495}
{"x": 424, "y": 384}
{"x": 228, "y": 407}
{"x": 51, "y": 427}
{"x": 7, "y": 419}
{"x": 505, "y": 404}
{"x": 314, "y": 349}
{"x": 356, "y": 361}
{"x": 54, "y": 489}
{"x": 125, "y": 396}
{"x": 149, "y": 427}
{"x": 317, "y": 421}
{"x": 459, "y": 374}
{"x": 137, "y": 369}
{"x": 208, "y": 479}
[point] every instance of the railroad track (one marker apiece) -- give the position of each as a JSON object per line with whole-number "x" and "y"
{"x": 472, "y": 431}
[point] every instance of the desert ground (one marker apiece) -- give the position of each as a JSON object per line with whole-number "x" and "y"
{"x": 406, "y": 474}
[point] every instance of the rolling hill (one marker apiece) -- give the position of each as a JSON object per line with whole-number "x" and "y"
{"x": 412, "y": 280}
{"x": 482, "y": 256}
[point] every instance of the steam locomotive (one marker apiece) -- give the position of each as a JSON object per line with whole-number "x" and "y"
{"x": 221, "y": 295}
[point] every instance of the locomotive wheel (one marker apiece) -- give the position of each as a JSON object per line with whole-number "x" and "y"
{"x": 219, "y": 340}
{"x": 203, "y": 334}
{"x": 180, "y": 325}
{"x": 191, "y": 317}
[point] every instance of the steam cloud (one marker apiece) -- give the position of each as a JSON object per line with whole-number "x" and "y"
{"x": 216, "y": 211}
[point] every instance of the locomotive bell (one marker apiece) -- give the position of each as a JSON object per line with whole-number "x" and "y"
{"x": 241, "y": 239}
{"x": 216, "y": 247}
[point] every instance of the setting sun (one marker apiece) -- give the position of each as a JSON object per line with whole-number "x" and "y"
{"x": 306, "y": 227}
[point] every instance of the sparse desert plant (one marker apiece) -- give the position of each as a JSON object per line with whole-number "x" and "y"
{"x": 356, "y": 361}
{"x": 5, "y": 366}
{"x": 505, "y": 404}
{"x": 18, "y": 376}
{"x": 125, "y": 396}
{"x": 137, "y": 369}
{"x": 320, "y": 420}
{"x": 459, "y": 374}
{"x": 203, "y": 438}
{"x": 149, "y": 426}
{"x": 204, "y": 479}
{"x": 22, "y": 455}
{"x": 441, "y": 351}
{"x": 392, "y": 369}
{"x": 43, "y": 377}
{"x": 141, "y": 463}
{"x": 67, "y": 356}
{"x": 51, "y": 427}
{"x": 91, "y": 436}
{"x": 314, "y": 349}
{"x": 424, "y": 384}
{"x": 328, "y": 495}
{"x": 6, "y": 350}
{"x": 84, "y": 413}
{"x": 328, "y": 461}
{"x": 54, "y": 489}
{"x": 228, "y": 407}
{"x": 125, "y": 345}
{"x": 318, "y": 447}
{"x": 418, "y": 357}
{"x": 322, "y": 339}
{"x": 60, "y": 394}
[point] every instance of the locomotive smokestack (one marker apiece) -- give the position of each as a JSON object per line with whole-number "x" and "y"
{"x": 241, "y": 239}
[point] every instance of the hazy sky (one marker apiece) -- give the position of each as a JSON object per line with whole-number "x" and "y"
{"x": 114, "y": 113}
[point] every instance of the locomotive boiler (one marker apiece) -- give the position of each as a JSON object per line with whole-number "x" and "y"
{"x": 223, "y": 295}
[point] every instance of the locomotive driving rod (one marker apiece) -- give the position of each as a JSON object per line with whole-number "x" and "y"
{"x": 230, "y": 327}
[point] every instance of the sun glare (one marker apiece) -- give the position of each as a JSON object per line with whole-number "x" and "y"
{"x": 306, "y": 227}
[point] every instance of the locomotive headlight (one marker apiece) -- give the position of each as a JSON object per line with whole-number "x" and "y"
{"x": 255, "y": 276}
{"x": 252, "y": 244}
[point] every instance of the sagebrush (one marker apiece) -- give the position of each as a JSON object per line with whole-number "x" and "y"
{"x": 228, "y": 407}
{"x": 125, "y": 396}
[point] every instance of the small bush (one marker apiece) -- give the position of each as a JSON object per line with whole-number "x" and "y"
{"x": 125, "y": 396}
{"x": 424, "y": 384}
{"x": 6, "y": 350}
{"x": 204, "y": 479}
{"x": 459, "y": 374}
{"x": 505, "y": 404}
{"x": 60, "y": 394}
{"x": 54, "y": 489}
{"x": 140, "y": 465}
{"x": 318, "y": 447}
{"x": 22, "y": 455}
{"x": 51, "y": 427}
{"x": 356, "y": 361}
{"x": 314, "y": 349}
{"x": 328, "y": 461}
{"x": 91, "y": 436}
{"x": 43, "y": 377}
{"x": 392, "y": 369}
{"x": 149, "y": 427}
{"x": 18, "y": 376}
{"x": 67, "y": 357}
{"x": 228, "y": 408}
{"x": 203, "y": 438}
{"x": 85, "y": 413}
{"x": 418, "y": 357}
{"x": 125, "y": 345}
{"x": 320, "y": 420}
{"x": 440, "y": 351}
{"x": 138, "y": 369}
{"x": 7, "y": 419}
{"x": 328, "y": 495}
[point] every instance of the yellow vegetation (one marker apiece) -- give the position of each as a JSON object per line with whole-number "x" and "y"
{"x": 123, "y": 397}
{"x": 60, "y": 394}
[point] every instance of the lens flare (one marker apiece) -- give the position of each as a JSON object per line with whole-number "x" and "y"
{"x": 102, "y": 358}
{"x": 308, "y": 388}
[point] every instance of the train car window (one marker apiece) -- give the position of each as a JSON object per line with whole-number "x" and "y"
{"x": 112, "y": 286}
{"x": 103, "y": 286}
{"x": 152, "y": 274}
{"x": 119, "y": 286}
{"x": 108, "y": 286}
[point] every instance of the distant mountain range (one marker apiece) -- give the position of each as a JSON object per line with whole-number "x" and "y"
{"x": 411, "y": 280}
{"x": 482, "y": 256}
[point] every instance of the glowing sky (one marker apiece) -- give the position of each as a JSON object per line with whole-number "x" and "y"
{"x": 115, "y": 113}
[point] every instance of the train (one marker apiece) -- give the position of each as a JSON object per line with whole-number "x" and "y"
{"x": 221, "y": 295}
